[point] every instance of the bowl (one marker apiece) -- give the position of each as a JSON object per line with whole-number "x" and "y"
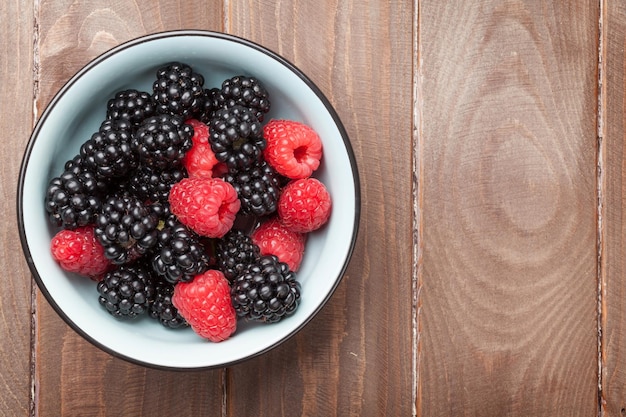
{"x": 77, "y": 110}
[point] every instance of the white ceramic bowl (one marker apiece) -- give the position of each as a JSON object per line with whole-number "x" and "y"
{"x": 77, "y": 111}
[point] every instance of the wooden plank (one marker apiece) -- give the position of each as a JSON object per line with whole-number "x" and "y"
{"x": 508, "y": 320}
{"x": 16, "y": 120}
{"x": 613, "y": 215}
{"x": 71, "y": 34}
{"x": 354, "y": 358}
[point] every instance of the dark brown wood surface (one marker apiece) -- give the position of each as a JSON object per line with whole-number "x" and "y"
{"x": 355, "y": 357}
{"x": 613, "y": 188}
{"x": 509, "y": 288}
{"x": 488, "y": 276}
{"x": 65, "y": 386}
{"x": 16, "y": 68}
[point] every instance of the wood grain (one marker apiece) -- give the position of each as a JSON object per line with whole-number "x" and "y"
{"x": 508, "y": 297}
{"x": 354, "y": 358}
{"x": 71, "y": 33}
{"x": 510, "y": 183}
{"x": 614, "y": 215}
{"x": 16, "y": 49}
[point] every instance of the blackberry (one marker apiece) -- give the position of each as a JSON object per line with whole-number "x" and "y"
{"x": 161, "y": 141}
{"x": 245, "y": 91}
{"x": 161, "y": 209}
{"x": 266, "y": 292}
{"x": 258, "y": 189}
{"x": 108, "y": 152}
{"x": 127, "y": 291}
{"x": 234, "y": 253}
{"x": 179, "y": 256}
{"x": 236, "y": 137}
{"x": 74, "y": 198}
{"x": 212, "y": 102}
{"x": 126, "y": 228}
{"x": 151, "y": 184}
{"x": 162, "y": 309}
{"x": 78, "y": 166}
{"x": 178, "y": 90}
{"x": 131, "y": 105}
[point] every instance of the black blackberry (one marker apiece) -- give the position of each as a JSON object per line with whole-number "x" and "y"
{"x": 161, "y": 141}
{"x": 212, "y": 102}
{"x": 127, "y": 291}
{"x": 126, "y": 228}
{"x": 132, "y": 105}
{"x": 246, "y": 91}
{"x": 234, "y": 253}
{"x": 258, "y": 189}
{"x": 178, "y": 90}
{"x": 179, "y": 256}
{"x": 236, "y": 137}
{"x": 74, "y": 198}
{"x": 161, "y": 209}
{"x": 108, "y": 152}
{"x": 78, "y": 166}
{"x": 266, "y": 292}
{"x": 162, "y": 309}
{"x": 151, "y": 184}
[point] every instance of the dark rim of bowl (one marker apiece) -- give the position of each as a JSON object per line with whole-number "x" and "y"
{"x": 103, "y": 57}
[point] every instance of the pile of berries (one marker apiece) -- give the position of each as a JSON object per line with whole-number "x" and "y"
{"x": 188, "y": 208}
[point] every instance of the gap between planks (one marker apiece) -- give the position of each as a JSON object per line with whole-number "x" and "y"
{"x": 600, "y": 187}
{"x": 33, "y": 392}
{"x": 417, "y": 194}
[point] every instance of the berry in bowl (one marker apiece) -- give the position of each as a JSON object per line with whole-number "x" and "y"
{"x": 188, "y": 192}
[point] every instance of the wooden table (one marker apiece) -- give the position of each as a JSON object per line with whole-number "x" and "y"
{"x": 489, "y": 274}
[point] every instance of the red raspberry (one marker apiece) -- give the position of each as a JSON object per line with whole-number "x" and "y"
{"x": 293, "y": 148}
{"x": 273, "y": 238}
{"x": 200, "y": 159}
{"x": 304, "y": 205}
{"x": 206, "y": 205}
{"x": 206, "y": 305}
{"x": 80, "y": 252}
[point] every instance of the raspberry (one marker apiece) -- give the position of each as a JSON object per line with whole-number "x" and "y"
{"x": 80, "y": 252}
{"x": 293, "y": 148}
{"x": 208, "y": 206}
{"x": 304, "y": 205}
{"x": 200, "y": 159}
{"x": 206, "y": 305}
{"x": 273, "y": 238}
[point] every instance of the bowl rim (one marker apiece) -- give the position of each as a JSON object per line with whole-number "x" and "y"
{"x": 126, "y": 45}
